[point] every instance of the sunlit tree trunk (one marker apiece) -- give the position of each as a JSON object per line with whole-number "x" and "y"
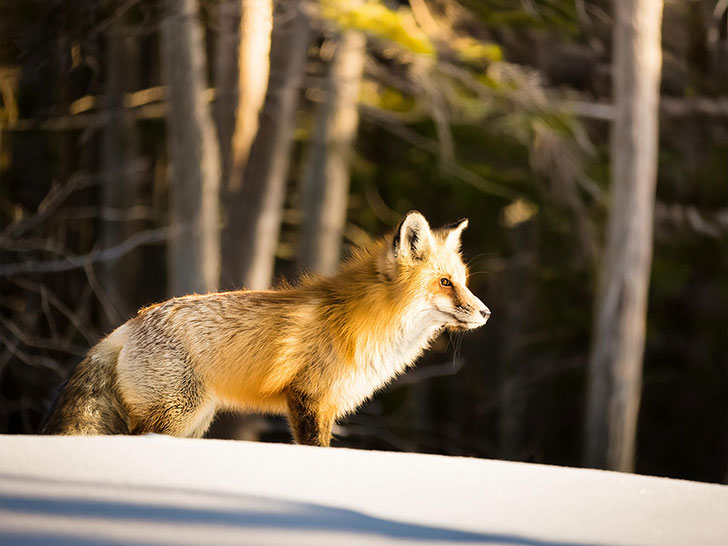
{"x": 254, "y": 228}
{"x": 120, "y": 184}
{"x": 194, "y": 249}
{"x": 325, "y": 187}
{"x": 253, "y": 66}
{"x": 241, "y": 79}
{"x": 615, "y": 368}
{"x": 253, "y": 70}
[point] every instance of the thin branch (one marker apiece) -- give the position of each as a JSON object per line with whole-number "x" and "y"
{"x": 77, "y": 262}
{"x": 711, "y": 223}
{"x": 34, "y": 245}
{"x": 32, "y": 361}
{"x": 672, "y": 107}
{"x": 45, "y": 305}
{"x": 109, "y": 214}
{"x": 392, "y": 125}
{"x": 428, "y": 372}
{"x": 150, "y": 104}
{"x": 59, "y": 305}
{"x": 107, "y": 303}
{"x": 376, "y": 204}
{"x": 49, "y": 205}
{"x": 40, "y": 343}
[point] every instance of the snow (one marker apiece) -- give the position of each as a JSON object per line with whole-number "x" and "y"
{"x": 162, "y": 490}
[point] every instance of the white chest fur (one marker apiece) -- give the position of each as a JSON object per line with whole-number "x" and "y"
{"x": 381, "y": 356}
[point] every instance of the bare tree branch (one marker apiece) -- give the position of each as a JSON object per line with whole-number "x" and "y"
{"x": 50, "y": 203}
{"x": 391, "y": 124}
{"x": 53, "y": 344}
{"x": 59, "y": 306}
{"x": 76, "y": 262}
{"x": 428, "y": 372}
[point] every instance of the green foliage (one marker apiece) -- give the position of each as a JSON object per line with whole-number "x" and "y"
{"x": 471, "y": 50}
{"x": 400, "y": 27}
{"x": 376, "y": 20}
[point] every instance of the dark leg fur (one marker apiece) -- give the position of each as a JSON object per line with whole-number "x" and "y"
{"x": 309, "y": 427}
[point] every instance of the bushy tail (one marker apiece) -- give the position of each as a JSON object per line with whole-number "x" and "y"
{"x": 89, "y": 402}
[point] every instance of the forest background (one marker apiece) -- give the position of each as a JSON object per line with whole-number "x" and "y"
{"x": 152, "y": 149}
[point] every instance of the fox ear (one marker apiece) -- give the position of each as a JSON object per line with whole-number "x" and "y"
{"x": 413, "y": 238}
{"x": 453, "y": 233}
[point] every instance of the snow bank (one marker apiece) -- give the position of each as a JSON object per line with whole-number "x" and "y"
{"x": 162, "y": 490}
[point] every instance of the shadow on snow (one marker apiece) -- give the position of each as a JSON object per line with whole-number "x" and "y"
{"x": 253, "y": 513}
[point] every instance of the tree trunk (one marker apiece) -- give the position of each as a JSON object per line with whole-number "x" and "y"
{"x": 119, "y": 191}
{"x": 194, "y": 253}
{"x": 226, "y": 82}
{"x": 325, "y": 187}
{"x": 252, "y": 231}
{"x": 516, "y": 365}
{"x": 253, "y": 70}
{"x": 615, "y": 367}
{"x": 243, "y": 65}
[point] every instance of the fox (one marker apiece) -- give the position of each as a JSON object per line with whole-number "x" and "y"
{"x": 314, "y": 351}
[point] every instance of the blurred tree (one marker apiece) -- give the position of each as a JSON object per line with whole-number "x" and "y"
{"x": 194, "y": 249}
{"x": 253, "y": 50}
{"x": 228, "y": 25}
{"x": 253, "y": 70}
{"x": 615, "y": 367}
{"x": 254, "y": 228}
{"x": 325, "y": 183}
{"x": 120, "y": 188}
{"x": 518, "y": 310}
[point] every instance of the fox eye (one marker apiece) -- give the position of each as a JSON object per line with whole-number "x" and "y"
{"x": 445, "y": 282}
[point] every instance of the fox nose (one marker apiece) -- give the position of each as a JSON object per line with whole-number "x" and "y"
{"x": 485, "y": 312}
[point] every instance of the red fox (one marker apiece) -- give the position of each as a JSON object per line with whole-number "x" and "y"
{"x": 315, "y": 351}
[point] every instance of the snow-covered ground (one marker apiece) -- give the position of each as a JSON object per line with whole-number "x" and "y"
{"x": 161, "y": 490}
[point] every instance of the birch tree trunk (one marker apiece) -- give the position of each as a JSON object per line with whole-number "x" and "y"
{"x": 325, "y": 187}
{"x": 194, "y": 249}
{"x": 252, "y": 231}
{"x": 615, "y": 367}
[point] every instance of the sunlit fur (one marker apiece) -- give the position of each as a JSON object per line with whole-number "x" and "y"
{"x": 315, "y": 351}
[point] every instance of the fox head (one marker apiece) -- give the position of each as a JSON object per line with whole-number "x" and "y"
{"x": 426, "y": 267}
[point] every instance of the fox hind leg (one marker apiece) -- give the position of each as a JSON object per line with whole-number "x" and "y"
{"x": 178, "y": 418}
{"x": 183, "y": 409}
{"x": 163, "y": 391}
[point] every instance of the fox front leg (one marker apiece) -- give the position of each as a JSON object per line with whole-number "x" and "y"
{"x": 308, "y": 424}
